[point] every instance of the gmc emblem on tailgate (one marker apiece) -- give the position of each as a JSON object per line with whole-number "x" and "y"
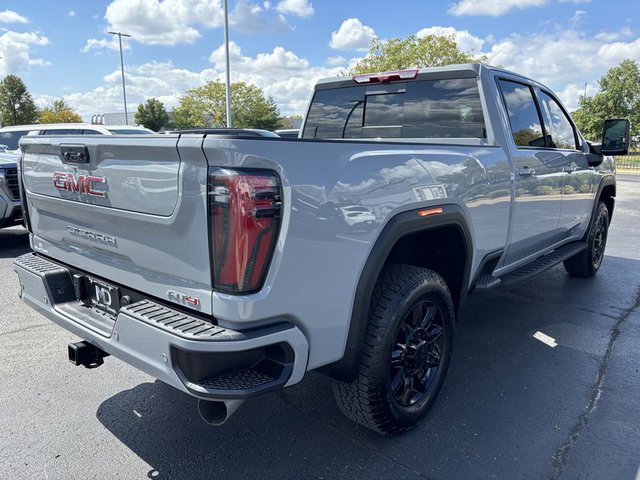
{"x": 71, "y": 182}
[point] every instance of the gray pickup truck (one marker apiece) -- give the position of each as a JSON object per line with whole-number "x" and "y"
{"x": 228, "y": 267}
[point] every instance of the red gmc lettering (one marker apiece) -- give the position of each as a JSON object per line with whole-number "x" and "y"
{"x": 80, "y": 184}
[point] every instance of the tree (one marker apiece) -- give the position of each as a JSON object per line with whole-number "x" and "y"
{"x": 16, "y": 104}
{"x": 152, "y": 114}
{"x": 619, "y": 97}
{"x": 414, "y": 52}
{"x": 59, "y": 111}
{"x": 205, "y": 107}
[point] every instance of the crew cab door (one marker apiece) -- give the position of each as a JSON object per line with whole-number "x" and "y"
{"x": 538, "y": 175}
{"x": 579, "y": 182}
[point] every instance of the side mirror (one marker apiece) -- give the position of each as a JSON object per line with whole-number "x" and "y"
{"x": 615, "y": 139}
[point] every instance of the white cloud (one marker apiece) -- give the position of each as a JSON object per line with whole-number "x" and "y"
{"x": 71, "y": 13}
{"x": 9, "y": 16}
{"x": 165, "y": 22}
{"x": 173, "y": 22}
{"x": 16, "y": 51}
{"x": 336, "y": 60}
{"x": 465, "y": 41}
{"x": 110, "y": 43}
{"x": 493, "y": 8}
{"x": 300, "y": 8}
{"x": 352, "y": 35}
{"x": 565, "y": 56}
{"x": 572, "y": 92}
{"x": 575, "y": 1}
{"x": 578, "y": 16}
{"x": 282, "y": 74}
{"x": 621, "y": 34}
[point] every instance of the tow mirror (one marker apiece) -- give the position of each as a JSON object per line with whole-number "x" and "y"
{"x": 615, "y": 138}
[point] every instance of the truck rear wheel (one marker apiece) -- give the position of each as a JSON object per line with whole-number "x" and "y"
{"x": 406, "y": 352}
{"x": 587, "y": 262}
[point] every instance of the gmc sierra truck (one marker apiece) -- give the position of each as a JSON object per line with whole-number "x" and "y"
{"x": 228, "y": 266}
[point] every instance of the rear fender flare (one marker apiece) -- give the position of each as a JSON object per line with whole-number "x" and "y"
{"x": 397, "y": 227}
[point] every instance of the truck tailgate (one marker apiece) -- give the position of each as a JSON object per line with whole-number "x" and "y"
{"x": 130, "y": 209}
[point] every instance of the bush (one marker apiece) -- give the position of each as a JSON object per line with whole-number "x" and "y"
{"x": 569, "y": 190}
{"x": 544, "y": 190}
{"x": 501, "y": 193}
{"x": 585, "y": 188}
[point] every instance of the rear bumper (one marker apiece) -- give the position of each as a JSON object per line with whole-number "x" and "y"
{"x": 186, "y": 352}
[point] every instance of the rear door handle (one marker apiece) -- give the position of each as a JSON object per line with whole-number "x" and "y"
{"x": 526, "y": 172}
{"x": 569, "y": 169}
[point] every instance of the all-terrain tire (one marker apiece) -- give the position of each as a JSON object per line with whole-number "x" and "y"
{"x": 588, "y": 261}
{"x": 377, "y": 399}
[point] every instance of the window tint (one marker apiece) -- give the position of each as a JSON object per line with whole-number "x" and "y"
{"x": 448, "y": 108}
{"x": 124, "y": 131}
{"x": 526, "y": 126}
{"x": 384, "y": 110}
{"x": 11, "y": 139}
{"x": 63, "y": 131}
{"x": 558, "y": 125}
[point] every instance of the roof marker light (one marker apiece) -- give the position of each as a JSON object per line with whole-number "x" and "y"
{"x": 385, "y": 77}
{"x": 430, "y": 211}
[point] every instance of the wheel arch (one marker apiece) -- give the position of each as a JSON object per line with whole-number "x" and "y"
{"x": 407, "y": 227}
{"x": 606, "y": 194}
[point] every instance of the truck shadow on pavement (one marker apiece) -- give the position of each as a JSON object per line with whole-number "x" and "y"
{"x": 13, "y": 242}
{"x": 510, "y": 408}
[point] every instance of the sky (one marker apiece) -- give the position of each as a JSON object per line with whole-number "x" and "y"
{"x": 61, "y": 48}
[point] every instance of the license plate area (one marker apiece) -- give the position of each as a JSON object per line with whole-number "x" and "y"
{"x": 101, "y": 295}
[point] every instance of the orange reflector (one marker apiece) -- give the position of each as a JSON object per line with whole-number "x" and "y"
{"x": 430, "y": 211}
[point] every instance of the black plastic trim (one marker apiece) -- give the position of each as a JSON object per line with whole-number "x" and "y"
{"x": 223, "y": 375}
{"x": 23, "y": 197}
{"x": 608, "y": 180}
{"x": 403, "y": 224}
{"x": 488, "y": 258}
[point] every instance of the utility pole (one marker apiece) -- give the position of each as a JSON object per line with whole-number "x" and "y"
{"x": 226, "y": 53}
{"x": 124, "y": 90}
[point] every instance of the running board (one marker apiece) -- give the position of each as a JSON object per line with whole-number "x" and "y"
{"x": 539, "y": 265}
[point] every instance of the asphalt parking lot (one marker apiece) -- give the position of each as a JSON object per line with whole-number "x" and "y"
{"x": 512, "y": 407}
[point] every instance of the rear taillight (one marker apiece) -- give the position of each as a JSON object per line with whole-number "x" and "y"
{"x": 245, "y": 209}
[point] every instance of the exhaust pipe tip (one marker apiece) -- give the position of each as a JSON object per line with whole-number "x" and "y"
{"x": 217, "y": 412}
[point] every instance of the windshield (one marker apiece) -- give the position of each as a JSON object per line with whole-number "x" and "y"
{"x": 130, "y": 131}
{"x": 447, "y": 108}
{"x": 11, "y": 139}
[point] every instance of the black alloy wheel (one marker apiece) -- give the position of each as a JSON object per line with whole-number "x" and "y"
{"x": 416, "y": 354}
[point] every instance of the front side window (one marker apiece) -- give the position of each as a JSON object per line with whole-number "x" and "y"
{"x": 526, "y": 126}
{"x": 446, "y": 108}
{"x": 558, "y": 125}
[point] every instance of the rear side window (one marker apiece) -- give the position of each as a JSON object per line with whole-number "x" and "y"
{"x": 526, "y": 125}
{"x": 558, "y": 124}
{"x": 63, "y": 131}
{"x": 11, "y": 139}
{"x": 124, "y": 131}
{"x": 448, "y": 108}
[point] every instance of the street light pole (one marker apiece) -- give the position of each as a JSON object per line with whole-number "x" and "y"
{"x": 124, "y": 90}
{"x": 226, "y": 54}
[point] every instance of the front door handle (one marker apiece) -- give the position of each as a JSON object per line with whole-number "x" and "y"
{"x": 526, "y": 172}
{"x": 569, "y": 168}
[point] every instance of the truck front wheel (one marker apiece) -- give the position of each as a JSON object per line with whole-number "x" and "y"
{"x": 587, "y": 262}
{"x": 406, "y": 352}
